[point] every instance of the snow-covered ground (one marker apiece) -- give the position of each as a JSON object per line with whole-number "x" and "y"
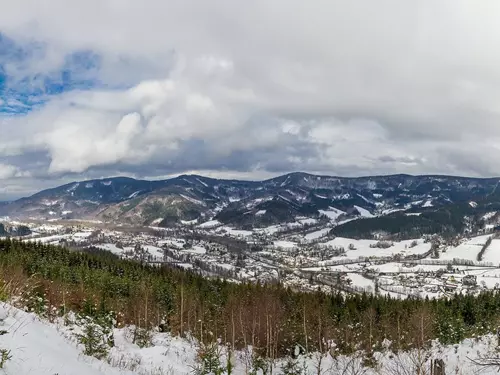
{"x": 360, "y": 280}
{"x": 50, "y": 239}
{"x": 234, "y": 232}
{"x": 36, "y": 346}
{"x": 363, "y": 212}
{"x": 196, "y": 250}
{"x": 492, "y": 254}
{"x": 285, "y": 244}
{"x": 111, "y": 247}
{"x": 210, "y": 224}
{"x": 317, "y": 234}
{"x": 332, "y": 213}
{"x": 466, "y": 250}
{"x": 362, "y": 247}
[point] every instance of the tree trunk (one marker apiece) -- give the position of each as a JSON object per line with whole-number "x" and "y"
{"x": 305, "y": 328}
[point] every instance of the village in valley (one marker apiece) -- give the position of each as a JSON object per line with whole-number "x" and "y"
{"x": 303, "y": 255}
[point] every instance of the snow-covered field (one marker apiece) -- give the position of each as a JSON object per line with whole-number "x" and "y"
{"x": 492, "y": 254}
{"x": 317, "y": 234}
{"x": 111, "y": 247}
{"x": 467, "y": 250}
{"x": 285, "y": 244}
{"x": 234, "y": 232}
{"x": 332, "y": 213}
{"x": 210, "y": 224}
{"x": 50, "y": 239}
{"x": 366, "y": 248}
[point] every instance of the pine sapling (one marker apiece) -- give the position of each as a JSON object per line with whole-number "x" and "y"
{"x": 4, "y": 357}
{"x": 95, "y": 339}
{"x": 209, "y": 357}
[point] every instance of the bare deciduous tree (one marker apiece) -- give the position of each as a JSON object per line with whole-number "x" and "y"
{"x": 415, "y": 362}
{"x": 348, "y": 365}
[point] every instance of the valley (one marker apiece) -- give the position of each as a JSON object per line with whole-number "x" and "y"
{"x": 362, "y": 252}
{"x": 304, "y": 254}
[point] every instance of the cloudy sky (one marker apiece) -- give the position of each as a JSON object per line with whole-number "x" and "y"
{"x": 154, "y": 88}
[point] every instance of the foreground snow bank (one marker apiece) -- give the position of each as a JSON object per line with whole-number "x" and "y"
{"x": 39, "y": 347}
{"x": 42, "y": 348}
{"x": 36, "y": 347}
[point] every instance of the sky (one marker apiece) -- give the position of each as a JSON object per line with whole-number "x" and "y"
{"x": 226, "y": 88}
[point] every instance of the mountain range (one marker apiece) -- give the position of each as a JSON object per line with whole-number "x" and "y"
{"x": 249, "y": 204}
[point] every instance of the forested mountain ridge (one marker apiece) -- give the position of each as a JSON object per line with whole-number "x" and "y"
{"x": 249, "y": 204}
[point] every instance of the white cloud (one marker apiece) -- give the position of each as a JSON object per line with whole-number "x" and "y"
{"x": 330, "y": 86}
{"x": 75, "y": 148}
{"x": 9, "y": 171}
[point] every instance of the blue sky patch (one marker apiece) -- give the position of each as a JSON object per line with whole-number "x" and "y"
{"x": 22, "y": 89}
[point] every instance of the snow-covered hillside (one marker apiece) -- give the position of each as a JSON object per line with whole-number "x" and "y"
{"x": 35, "y": 346}
{"x": 193, "y": 199}
{"x": 38, "y": 347}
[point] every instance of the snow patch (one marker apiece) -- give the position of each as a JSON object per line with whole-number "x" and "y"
{"x": 189, "y": 222}
{"x": 285, "y": 244}
{"x": 321, "y": 196}
{"x": 210, "y": 224}
{"x": 489, "y": 215}
{"x": 201, "y": 182}
{"x": 428, "y": 204}
{"x": 235, "y": 232}
{"x": 49, "y": 202}
{"x": 332, "y": 213}
{"x": 365, "y": 199}
{"x": 317, "y": 234}
{"x": 307, "y": 221}
{"x": 157, "y": 221}
{"x": 342, "y": 196}
{"x": 192, "y": 200}
{"x": 133, "y": 195}
{"x": 363, "y": 212}
{"x": 196, "y": 250}
{"x": 285, "y": 199}
{"x": 73, "y": 187}
{"x": 285, "y": 182}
